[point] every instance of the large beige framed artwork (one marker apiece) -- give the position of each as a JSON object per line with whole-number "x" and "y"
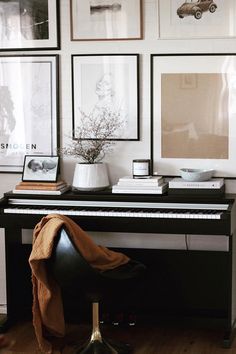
{"x": 194, "y": 113}
{"x": 179, "y": 19}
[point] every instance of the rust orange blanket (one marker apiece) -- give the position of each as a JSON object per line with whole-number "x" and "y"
{"x": 48, "y": 315}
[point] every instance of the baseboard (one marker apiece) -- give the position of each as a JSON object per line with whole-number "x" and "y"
{"x": 3, "y": 309}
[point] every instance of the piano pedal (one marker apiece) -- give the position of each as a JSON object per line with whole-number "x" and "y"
{"x": 131, "y": 319}
{"x": 105, "y": 318}
{"x": 118, "y": 319}
{"x": 121, "y": 319}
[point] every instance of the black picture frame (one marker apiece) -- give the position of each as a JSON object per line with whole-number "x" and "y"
{"x": 29, "y": 95}
{"x": 29, "y": 25}
{"x": 106, "y": 82}
{"x": 40, "y": 168}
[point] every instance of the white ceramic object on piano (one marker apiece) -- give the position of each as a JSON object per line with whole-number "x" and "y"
{"x": 196, "y": 175}
{"x": 90, "y": 177}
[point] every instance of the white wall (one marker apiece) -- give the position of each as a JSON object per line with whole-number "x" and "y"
{"x": 120, "y": 161}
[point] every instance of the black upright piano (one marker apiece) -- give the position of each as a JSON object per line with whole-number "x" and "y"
{"x": 191, "y": 265}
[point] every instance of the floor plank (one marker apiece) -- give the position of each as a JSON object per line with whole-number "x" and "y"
{"x": 144, "y": 339}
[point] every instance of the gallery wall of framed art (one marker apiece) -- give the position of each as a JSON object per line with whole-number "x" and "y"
{"x": 86, "y": 34}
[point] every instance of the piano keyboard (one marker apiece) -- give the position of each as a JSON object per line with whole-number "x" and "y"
{"x": 120, "y": 212}
{"x": 116, "y": 209}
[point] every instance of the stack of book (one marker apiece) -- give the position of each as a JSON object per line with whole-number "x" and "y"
{"x": 130, "y": 185}
{"x": 47, "y": 188}
{"x": 214, "y": 186}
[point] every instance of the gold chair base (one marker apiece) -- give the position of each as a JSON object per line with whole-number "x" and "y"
{"x": 105, "y": 347}
{"x": 98, "y": 345}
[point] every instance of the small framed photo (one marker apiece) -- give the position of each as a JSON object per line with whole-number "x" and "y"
{"x": 29, "y": 25}
{"x": 40, "y": 168}
{"x": 106, "y": 19}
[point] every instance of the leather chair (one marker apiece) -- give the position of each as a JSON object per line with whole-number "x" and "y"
{"x": 69, "y": 268}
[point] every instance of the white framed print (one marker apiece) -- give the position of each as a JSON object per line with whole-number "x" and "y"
{"x": 105, "y": 89}
{"x": 106, "y": 19}
{"x": 28, "y": 108}
{"x": 185, "y": 19}
{"x": 193, "y": 113}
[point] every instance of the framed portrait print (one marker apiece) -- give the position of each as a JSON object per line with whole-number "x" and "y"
{"x": 193, "y": 113}
{"x": 28, "y": 108}
{"x": 40, "y": 168}
{"x": 180, "y": 19}
{"x": 29, "y": 25}
{"x": 105, "y": 89}
{"x": 106, "y": 19}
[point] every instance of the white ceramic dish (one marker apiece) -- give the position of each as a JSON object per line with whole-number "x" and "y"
{"x": 196, "y": 175}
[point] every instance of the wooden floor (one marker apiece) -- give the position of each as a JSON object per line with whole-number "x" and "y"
{"x": 145, "y": 340}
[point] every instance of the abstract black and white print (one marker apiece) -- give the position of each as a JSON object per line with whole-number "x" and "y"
{"x": 26, "y": 19}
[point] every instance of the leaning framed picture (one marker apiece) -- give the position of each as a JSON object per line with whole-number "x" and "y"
{"x": 193, "y": 113}
{"x": 185, "y": 19}
{"x": 106, "y": 19}
{"x": 40, "y": 168}
{"x": 28, "y": 108}
{"x": 105, "y": 96}
{"x": 29, "y": 25}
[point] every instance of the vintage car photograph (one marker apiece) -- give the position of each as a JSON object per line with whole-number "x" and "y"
{"x": 196, "y": 8}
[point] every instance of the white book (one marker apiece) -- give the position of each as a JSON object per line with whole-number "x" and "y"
{"x": 44, "y": 192}
{"x": 137, "y": 192}
{"x": 152, "y": 190}
{"x": 137, "y": 187}
{"x": 140, "y": 183}
{"x": 152, "y": 180}
{"x": 213, "y": 183}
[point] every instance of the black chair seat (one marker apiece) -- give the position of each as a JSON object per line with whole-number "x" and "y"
{"x": 131, "y": 270}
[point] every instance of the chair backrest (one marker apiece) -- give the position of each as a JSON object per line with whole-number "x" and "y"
{"x": 67, "y": 265}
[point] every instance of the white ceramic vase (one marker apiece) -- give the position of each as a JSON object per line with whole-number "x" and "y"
{"x": 90, "y": 177}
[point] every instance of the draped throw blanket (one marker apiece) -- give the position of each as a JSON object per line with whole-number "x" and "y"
{"x": 48, "y": 314}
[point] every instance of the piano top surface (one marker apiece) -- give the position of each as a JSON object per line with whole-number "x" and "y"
{"x": 107, "y": 195}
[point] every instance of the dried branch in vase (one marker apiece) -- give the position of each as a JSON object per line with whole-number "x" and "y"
{"x": 95, "y": 135}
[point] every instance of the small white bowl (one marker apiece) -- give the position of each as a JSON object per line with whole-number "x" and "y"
{"x": 196, "y": 175}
